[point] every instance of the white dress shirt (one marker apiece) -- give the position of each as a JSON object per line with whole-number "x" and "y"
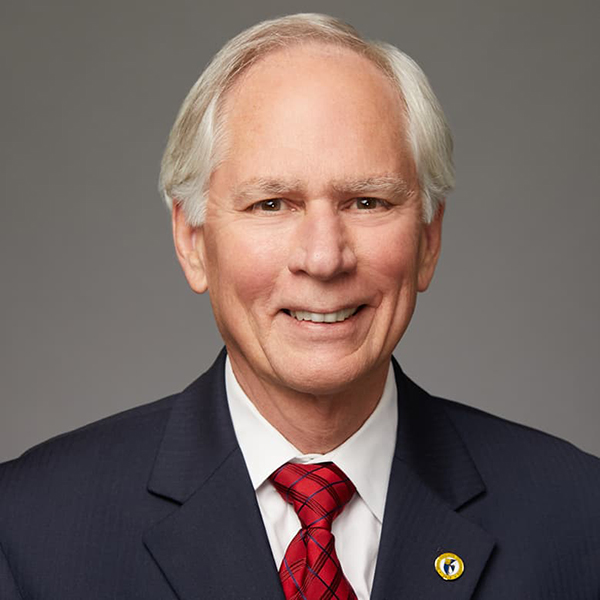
{"x": 366, "y": 458}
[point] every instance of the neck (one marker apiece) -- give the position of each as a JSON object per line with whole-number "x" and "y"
{"x": 313, "y": 423}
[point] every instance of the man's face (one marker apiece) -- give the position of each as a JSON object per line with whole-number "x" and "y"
{"x": 313, "y": 248}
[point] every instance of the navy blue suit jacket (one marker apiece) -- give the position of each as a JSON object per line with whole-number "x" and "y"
{"x": 156, "y": 503}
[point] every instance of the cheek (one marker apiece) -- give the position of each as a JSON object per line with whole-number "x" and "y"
{"x": 393, "y": 259}
{"x": 244, "y": 266}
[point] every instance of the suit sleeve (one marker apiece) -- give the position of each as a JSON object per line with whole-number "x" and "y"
{"x": 8, "y": 585}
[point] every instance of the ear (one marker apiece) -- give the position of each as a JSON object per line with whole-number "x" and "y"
{"x": 429, "y": 249}
{"x": 189, "y": 246}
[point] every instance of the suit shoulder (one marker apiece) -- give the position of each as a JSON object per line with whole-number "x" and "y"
{"x": 522, "y": 456}
{"x": 121, "y": 447}
{"x": 112, "y": 439}
{"x": 476, "y": 423}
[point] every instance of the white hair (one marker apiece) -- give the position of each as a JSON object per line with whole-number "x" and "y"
{"x": 192, "y": 152}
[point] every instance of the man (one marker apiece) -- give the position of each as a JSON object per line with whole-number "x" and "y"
{"x": 306, "y": 172}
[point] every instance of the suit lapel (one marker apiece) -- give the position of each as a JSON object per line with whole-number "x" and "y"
{"x": 432, "y": 477}
{"x": 213, "y": 544}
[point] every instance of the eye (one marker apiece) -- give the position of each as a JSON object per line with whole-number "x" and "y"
{"x": 370, "y": 203}
{"x": 270, "y": 205}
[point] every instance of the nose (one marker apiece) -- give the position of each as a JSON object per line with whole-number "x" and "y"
{"x": 321, "y": 245}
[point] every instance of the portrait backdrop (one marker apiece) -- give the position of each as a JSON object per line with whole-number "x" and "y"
{"x": 96, "y": 314}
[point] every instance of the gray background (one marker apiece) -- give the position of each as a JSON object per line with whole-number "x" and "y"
{"x": 96, "y": 316}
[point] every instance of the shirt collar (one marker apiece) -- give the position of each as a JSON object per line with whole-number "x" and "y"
{"x": 365, "y": 457}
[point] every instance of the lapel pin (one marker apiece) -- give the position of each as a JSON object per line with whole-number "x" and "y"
{"x": 449, "y": 566}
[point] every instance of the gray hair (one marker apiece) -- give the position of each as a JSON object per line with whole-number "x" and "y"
{"x": 192, "y": 151}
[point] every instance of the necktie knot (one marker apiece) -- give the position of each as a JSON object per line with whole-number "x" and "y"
{"x": 318, "y": 492}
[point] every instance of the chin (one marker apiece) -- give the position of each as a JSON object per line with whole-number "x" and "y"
{"x": 319, "y": 377}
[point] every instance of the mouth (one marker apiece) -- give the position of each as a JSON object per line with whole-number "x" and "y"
{"x": 333, "y": 317}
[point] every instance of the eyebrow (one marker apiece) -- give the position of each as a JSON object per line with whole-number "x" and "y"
{"x": 391, "y": 186}
{"x": 386, "y": 185}
{"x": 261, "y": 187}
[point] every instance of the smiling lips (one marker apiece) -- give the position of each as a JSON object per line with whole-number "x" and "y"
{"x": 332, "y": 317}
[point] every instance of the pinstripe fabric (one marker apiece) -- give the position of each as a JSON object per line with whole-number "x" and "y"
{"x": 310, "y": 569}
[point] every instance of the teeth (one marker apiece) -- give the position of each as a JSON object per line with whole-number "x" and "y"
{"x": 340, "y": 315}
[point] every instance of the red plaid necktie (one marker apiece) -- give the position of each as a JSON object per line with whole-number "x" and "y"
{"x": 310, "y": 569}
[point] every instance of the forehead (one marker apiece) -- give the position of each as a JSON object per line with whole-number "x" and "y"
{"x": 314, "y": 109}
